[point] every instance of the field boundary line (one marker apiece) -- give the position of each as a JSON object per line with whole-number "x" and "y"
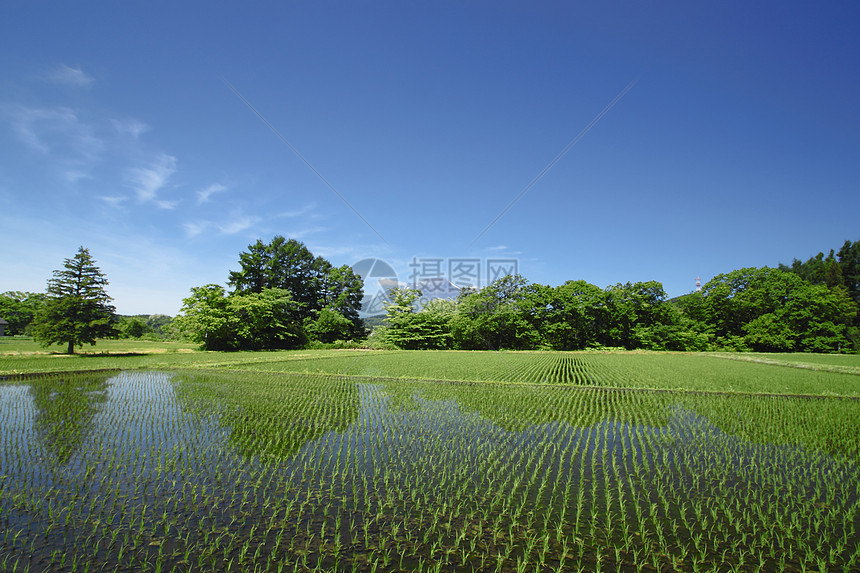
{"x": 23, "y": 376}
{"x": 832, "y": 368}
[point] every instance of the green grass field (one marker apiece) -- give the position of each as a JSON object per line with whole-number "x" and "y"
{"x": 353, "y": 460}
{"x": 814, "y": 375}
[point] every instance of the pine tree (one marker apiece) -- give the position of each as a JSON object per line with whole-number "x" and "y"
{"x": 78, "y": 309}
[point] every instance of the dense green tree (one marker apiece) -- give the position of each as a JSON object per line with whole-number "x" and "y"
{"x": 313, "y": 282}
{"x": 836, "y": 270}
{"x": 159, "y": 324}
{"x": 849, "y": 263}
{"x": 570, "y": 316}
{"x": 19, "y": 309}
{"x": 340, "y": 291}
{"x": 252, "y": 321}
{"x": 773, "y": 310}
{"x": 204, "y": 317}
{"x": 77, "y": 309}
{"x": 675, "y": 331}
{"x": 633, "y": 308}
{"x": 329, "y": 325}
{"x": 496, "y": 317}
{"x": 401, "y": 322}
{"x": 149, "y": 326}
{"x": 131, "y": 327}
{"x": 814, "y": 270}
{"x": 808, "y": 306}
{"x": 407, "y": 327}
{"x": 282, "y": 263}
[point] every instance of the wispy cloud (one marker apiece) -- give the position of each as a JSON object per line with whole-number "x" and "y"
{"x": 203, "y": 195}
{"x": 235, "y": 224}
{"x": 28, "y": 122}
{"x": 44, "y": 129}
{"x": 350, "y": 253}
{"x": 113, "y": 201}
{"x": 238, "y": 224}
{"x": 299, "y": 212}
{"x": 66, "y": 75}
{"x": 131, "y": 127}
{"x": 75, "y": 175}
{"x": 58, "y": 132}
{"x": 167, "y": 205}
{"x": 195, "y": 228}
{"x": 148, "y": 181}
{"x": 303, "y": 232}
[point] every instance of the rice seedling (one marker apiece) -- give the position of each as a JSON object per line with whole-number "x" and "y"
{"x": 229, "y": 470}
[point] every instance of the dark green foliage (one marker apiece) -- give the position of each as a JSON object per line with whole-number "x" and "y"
{"x": 497, "y": 316}
{"x": 312, "y": 282}
{"x": 633, "y": 309}
{"x": 149, "y": 326}
{"x": 329, "y": 326}
{"x": 282, "y": 294}
{"x": 773, "y": 310}
{"x": 132, "y": 327}
{"x": 571, "y": 316}
{"x": 269, "y": 319}
{"x": 77, "y": 309}
{"x": 761, "y": 309}
{"x": 839, "y": 270}
{"x": 19, "y": 309}
{"x": 411, "y": 330}
{"x": 849, "y": 265}
{"x": 675, "y": 331}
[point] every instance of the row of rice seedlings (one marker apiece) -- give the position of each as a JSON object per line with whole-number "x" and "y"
{"x": 552, "y": 368}
{"x": 713, "y": 374}
{"x": 610, "y": 369}
{"x": 436, "y": 365}
{"x": 191, "y": 475}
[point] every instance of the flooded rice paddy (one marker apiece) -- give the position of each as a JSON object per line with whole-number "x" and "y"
{"x": 191, "y": 471}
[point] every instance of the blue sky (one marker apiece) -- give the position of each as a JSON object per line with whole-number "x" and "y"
{"x": 737, "y": 145}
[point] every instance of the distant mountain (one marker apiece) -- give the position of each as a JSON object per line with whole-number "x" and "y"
{"x": 371, "y": 322}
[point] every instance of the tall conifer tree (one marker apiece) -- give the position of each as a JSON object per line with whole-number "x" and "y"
{"x": 78, "y": 308}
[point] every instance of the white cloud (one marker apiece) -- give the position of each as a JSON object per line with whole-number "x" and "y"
{"x": 238, "y": 224}
{"x": 204, "y": 194}
{"x": 58, "y": 132}
{"x": 300, "y": 212}
{"x": 167, "y": 205}
{"x": 76, "y": 77}
{"x": 303, "y": 232}
{"x": 34, "y": 126}
{"x": 26, "y": 123}
{"x": 351, "y": 253}
{"x": 75, "y": 175}
{"x": 113, "y": 201}
{"x": 194, "y": 229}
{"x": 131, "y": 127}
{"x": 148, "y": 181}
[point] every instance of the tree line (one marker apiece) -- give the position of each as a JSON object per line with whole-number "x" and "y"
{"x": 284, "y": 297}
{"x": 805, "y": 307}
